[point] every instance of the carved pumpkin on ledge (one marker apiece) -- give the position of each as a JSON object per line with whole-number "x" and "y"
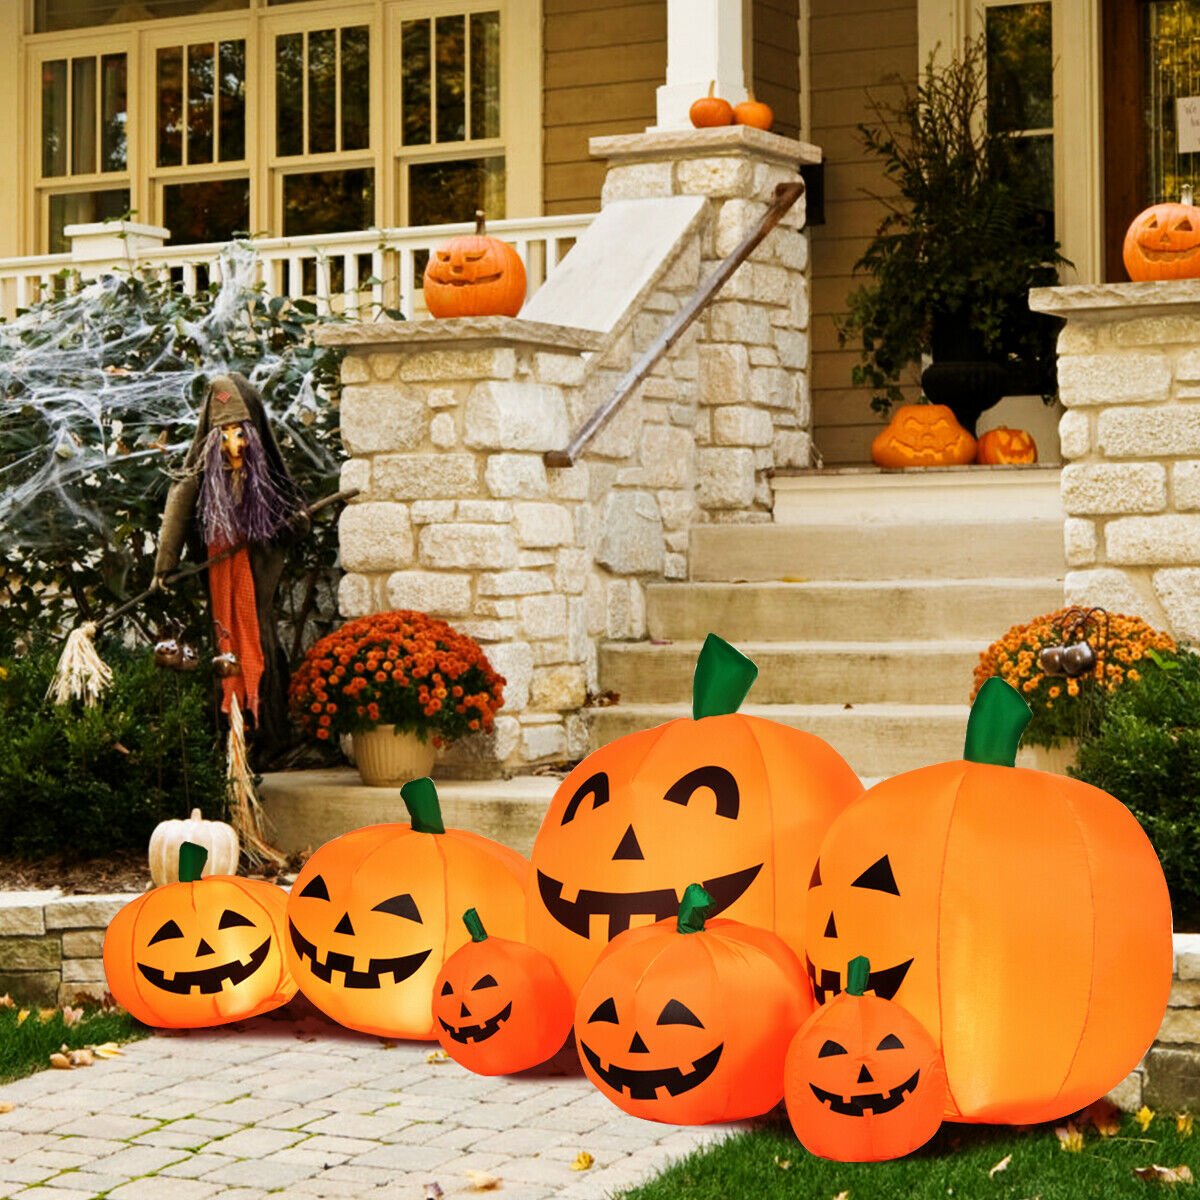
{"x": 923, "y": 435}
{"x": 475, "y": 276}
{"x": 1163, "y": 241}
{"x": 1006, "y": 446}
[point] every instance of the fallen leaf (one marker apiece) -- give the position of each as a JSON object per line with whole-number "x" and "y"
{"x": 22, "y": 1016}
{"x": 583, "y": 1160}
{"x": 1105, "y": 1117}
{"x": 1002, "y": 1165}
{"x": 1156, "y": 1174}
{"x": 1143, "y": 1117}
{"x": 437, "y": 1056}
{"x": 81, "y": 1058}
{"x": 1070, "y": 1139}
{"x": 1183, "y": 1124}
{"x": 45, "y": 1014}
{"x": 6, "y": 1001}
{"x": 6, "y": 1106}
{"x": 483, "y": 1181}
{"x": 107, "y": 1050}
{"x": 60, "y": 1062}
{"x": 433, "y": 1190}
{"x": 842, "y": 1196}
{"x": 71, "y": 1016}
{"x": 784, "y": 1164}
{"x": 387, "y": 1044}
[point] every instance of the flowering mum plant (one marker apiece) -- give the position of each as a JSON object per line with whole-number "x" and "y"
{"x": 1062, "y": 706}
{"x": 400, "y": 668}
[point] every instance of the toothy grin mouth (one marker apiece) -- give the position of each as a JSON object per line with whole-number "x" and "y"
{"x": 873, "y": 1102}
{"x": 621, "y": 907}
{"x": 644, "y": 1085}
{"x": 472, "y": 282}
{"x": 478, "y": 1033}
{"x": 885, "y": 983}
{"x": 399, "y": 968}
{"x": 211, "y": 979}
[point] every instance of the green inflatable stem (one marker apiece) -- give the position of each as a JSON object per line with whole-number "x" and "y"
{"x": 858, "y": 974}
{"x": 474, "y": 926}
{"x": 421, "y": 799}
{"x": 724, "y": 675}
{"x": 191, "y": 862}
{"x": 693, "y": 909}
{"x": 998, "y": 718}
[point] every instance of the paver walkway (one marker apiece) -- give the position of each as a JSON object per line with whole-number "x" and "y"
{"x": 298, "y": 1106}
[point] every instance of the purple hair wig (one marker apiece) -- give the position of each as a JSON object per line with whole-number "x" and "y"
{"x": 233, "y": 510}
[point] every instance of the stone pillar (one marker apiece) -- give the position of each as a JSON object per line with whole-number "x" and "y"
{"x": 705, "y": 44}
{"x": 1129, "y": 377}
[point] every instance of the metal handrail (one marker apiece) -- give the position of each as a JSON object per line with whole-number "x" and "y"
{"x": 786, "y": 194}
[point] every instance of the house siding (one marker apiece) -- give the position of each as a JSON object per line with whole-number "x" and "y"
{"x": 853, "y": 45}
{"x": 776, "y": 74}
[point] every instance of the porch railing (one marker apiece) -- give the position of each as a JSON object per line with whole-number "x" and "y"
{"x": 359, "y": 274}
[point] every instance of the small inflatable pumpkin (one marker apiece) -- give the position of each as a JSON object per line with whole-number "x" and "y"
{"x": 688, "y": 1021}
{"x": 1021, "y": 917}
{"x": 923, "y": 435}
{"x": 738, "y": 801}
{"x": 863, "y": 1080}
{"x": 200, "y": 952}
{"x": 1004, "y": 445}
{"x": 373, "y": 915}
{"x": 501, "y": 1006}
{"x": 1163, "y": 241}
{"x": 474, "y": 276}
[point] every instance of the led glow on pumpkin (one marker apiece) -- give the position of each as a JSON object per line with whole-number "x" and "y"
{"x": 718, "y": 796}
{"x": 199, "y": 952}
{"x": 1021, "y": 917}
{"x": 1163, "y": 241}
{"x": 923, "y": 435}
{"x": 474, "y": 276}
{"x": 373, "y": 915}
{"x": 1004, "y": 445}
{"x": 688, "y": 1021}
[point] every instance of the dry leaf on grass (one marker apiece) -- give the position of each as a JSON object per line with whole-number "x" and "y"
{"x": 6, "y": 1106}
{"x": 483, "y": 1181}
{"x": 22, "y": 1016}
{"x": 1143, "y": 1117}
{"x": 1002, "y": 1165}
{"x": 6, "y": 1001}
{"x": 1156, "y": 1174}
{"x": 107, "y": 1050}
{"x": 1104, "y": 1116}
{"x": 1070, "y": 1139}
{"x": 784, "y": 1164}
{"x": 1183, "y": 1124}
{"x": 60, "y": 1062}
{"x": 46, "y": 1014}
{"x": 583, "y": 1161}
{"x": 71, "y": 1016}
{"x": 435, "y": 1056}
{"x": 842, "y": 1196}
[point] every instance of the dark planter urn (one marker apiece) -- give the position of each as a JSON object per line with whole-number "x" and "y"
{"x": 961, "y": 376}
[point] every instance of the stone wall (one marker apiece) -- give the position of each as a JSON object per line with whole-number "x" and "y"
{"x": 1129, "y": 377}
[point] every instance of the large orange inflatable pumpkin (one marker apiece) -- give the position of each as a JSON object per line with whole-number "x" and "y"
{"x": 201, "y": 951}
{"x": 1163, "y": 241}
{"x": 1004, "y": 445}
{"x": 375, "y": 913}
{"x": 688, "y": 1021}
{"x": 738, "y": 801}
{"x": 474, "y": 276}
{"x": 1021, "y": 917}
{"x": 923, "y": 435}
{"x": 863, "y": 1080}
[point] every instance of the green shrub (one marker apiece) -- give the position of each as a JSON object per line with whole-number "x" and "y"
{"x": 83, "y": 781}
{"x": 1147, "y": 754}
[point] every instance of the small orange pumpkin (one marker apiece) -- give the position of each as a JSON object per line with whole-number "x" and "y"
{"x": 863, "y": 1079}
{"x": 1004, "y": 445}
{"x": 753, "y": 113}
{"x": 710, "y": 110}
{"x": 200, "y": 952}
{"x": 923, "y": 435}
{"x": 1163, "y": 241}
{"x": 501, "y": 1006}
{"x": 689, "y": 1022}
{"x": 475, "y": 276}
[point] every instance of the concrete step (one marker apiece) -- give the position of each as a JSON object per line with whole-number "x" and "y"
{"x": 930, "y": 672}
{"x": 858, "y": 610}
{"x": 1030, "y": 549}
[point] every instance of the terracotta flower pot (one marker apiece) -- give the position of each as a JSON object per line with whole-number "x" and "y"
{"x": 387, "y": 758}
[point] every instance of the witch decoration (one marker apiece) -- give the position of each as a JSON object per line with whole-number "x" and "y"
{"x": 236, "y": 506}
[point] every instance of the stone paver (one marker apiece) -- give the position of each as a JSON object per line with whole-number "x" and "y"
{"x": 290, "y": 1104}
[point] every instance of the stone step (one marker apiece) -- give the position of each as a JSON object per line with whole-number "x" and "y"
{"x": 930, "y": 672}
{"x": 858, "y": 610}
{"x": 1029, "y": 549}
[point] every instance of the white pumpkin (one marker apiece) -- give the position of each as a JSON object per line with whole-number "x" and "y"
{"x": 219, "y": 839}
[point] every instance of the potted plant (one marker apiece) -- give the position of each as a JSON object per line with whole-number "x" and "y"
{"x": 965, "y": 236}
{"x": 403, "y": 683}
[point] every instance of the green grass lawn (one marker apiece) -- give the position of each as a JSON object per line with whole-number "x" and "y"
{"x": 768, "y": 1162}
{"x": 26, "y": 1046}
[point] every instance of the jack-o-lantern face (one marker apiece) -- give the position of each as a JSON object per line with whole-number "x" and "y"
{"x": 474, "y": 276}
{"x": 370, "y": 917}
{"x": 199, "y": 952}
{"x": 687, "y": 1021}
{"x": 923, "y": 435}
{"x": 863, "y": 1080}
{"x": 1163, "y": 242}
{"x": 1004, "y": 445}
{"x": 709, "y": 798}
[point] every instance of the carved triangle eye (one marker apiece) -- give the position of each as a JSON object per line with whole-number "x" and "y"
{"x": 815, "y": 881}
{"x": 169, "y": 930}
{"x": 316, "y": 888}
{"x": 675, "y": 1012}
{"x": 878, "y": 877}
{"x": 486, "y": 982}
{"x": 606, "y": 1010}
{"x": 447, "y": 990}
{"x": 229, "y": 919}
{"x": 891, "y": 1042}
{"x": 1184, "y": 226}
{"x": 830, "y": 1049}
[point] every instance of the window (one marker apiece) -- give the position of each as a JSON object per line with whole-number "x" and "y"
{"x": 84, "y": 114}
{"x": 1171, "y": 67}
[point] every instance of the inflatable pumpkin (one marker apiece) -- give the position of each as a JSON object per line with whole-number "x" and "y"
{"x": 474, "y": 276}
{"x": 688, "y": 1021}
{"x": 374, "y": 915}
{"x": 500, "y": 1006}
{"x": 739, "y": 801}
{"x": 1021, "y": 917}
{"x": 1004, "y": 445}
{"x": 923, "y": 435}
{"x": 199, "y": 952}
{"x": 863, "y": 1080}
{"x": 1163, "y": 241}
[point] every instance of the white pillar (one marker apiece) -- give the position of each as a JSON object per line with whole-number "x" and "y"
{"x": 704, "y": 44}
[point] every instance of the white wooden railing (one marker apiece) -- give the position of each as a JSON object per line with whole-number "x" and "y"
{"x": 359, "y": 273}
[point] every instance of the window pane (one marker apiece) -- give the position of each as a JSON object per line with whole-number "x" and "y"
{"x": 200, "y": 103}
{"x": 289, "y": 94}
{"x": 113, "y": 112}
{"x": 322, "y": 91}
{"x": 170, "y": 106}
{"x": 206, "y": 212}
{"x": 485, "y": 75}
{"x": 451, "y": 191}
{"x": 83, "y": 116}
{"x": 1020, "y": 67}
{"x": 415, "y": 119}
{"x": 1171, "y": 29}
{"x": 328, "y": 202}
{"x": 51, "y": 15}
{"x": 356, "y": 88}
{"x": 231, "y": 128}
{"x": 1034, "y": 158}
{"x": 451, "y": 75}
{"x": 83, "y": 208}
{"x": 54, "y": 117}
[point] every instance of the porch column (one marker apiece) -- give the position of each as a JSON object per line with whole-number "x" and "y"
{"x": 704, "y": 44}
